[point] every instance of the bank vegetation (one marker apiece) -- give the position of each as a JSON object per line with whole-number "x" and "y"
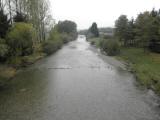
{"x": 137, "y": 41}
{"x": 28, "y": 33}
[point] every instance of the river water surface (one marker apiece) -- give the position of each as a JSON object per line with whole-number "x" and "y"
{"x": 77, "y": 83}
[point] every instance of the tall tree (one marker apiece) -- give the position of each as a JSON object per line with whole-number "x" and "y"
{"x": 94, "y": 30}
{"x": 4, "y": 24}
{"x": 66, "y": 26}
{"x": 20, "y": 17}
{"x": 144, "y": 29}
{"x": 130, "y": 33}
{"x": 121, "y": 28}
{"x": 10, "y": 10}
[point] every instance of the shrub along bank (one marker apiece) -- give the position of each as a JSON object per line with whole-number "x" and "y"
{"x": 20, "y": 49}
{"x": 145, "y": 65}
{"x": 62, "y": 33}
{"x": 138, "y": 44}
{"x": 108, "y": 45}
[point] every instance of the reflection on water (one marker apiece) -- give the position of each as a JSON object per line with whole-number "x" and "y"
{"x": 76, "y": 84}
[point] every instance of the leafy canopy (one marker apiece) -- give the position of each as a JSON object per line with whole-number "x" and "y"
{"x": 20, "y": 39}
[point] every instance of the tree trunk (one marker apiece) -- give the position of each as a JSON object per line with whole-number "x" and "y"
{"x": 10, "y": 10}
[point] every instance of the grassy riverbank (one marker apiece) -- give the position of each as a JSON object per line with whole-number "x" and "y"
{"x": 9, "y": 70}
{"x": 20, "y": 47}
{"x": 145, "y": 66}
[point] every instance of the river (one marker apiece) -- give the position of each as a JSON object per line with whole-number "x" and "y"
{"x": 77, "y": 83}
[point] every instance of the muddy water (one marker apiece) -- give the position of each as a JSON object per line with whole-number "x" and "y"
{"x": 77, "y": 83}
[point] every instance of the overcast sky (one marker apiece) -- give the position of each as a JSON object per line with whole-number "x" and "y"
{"x": 104, "y": 12}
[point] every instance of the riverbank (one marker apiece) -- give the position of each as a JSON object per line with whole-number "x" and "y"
{"x": 76, "y": 82}
{"x": 9, "y": 70}
{"x": 145, "y": 66}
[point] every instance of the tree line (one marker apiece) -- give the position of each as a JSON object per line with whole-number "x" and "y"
{"x": 144, "y": 31}
{"x": 61, "y": 33}
{"x": 27, "y": 26}
{"x": 28, "y": 11}
{"x": 91, "y": 32}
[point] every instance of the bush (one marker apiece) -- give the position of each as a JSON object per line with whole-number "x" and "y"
{"x": 3, "y": 51}
{"x": 65, "y": 38}
{"x": 66, "y": 27}
{"x": 73, "y": 36}
{"x": 57, "y": 38}
{"x": 15, "y": 61}
{"x": 2, "y": 41}
{"x": 20, "y": 39}
{"x": 53, "y": 43}
{"x": 110, "y": 46}
{"x": 50, "y": 47}
{"x": 20, "y": 17}
{"x": 92, "y": 42}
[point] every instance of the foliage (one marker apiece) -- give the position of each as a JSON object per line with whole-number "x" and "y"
{"x": 67, "y": 27}
{"x": 54, "y": 42}
{"x": 95, "y": 41}
{"x": 143, "y": 28}
{"x": 130, "y": 33}
{"x": 121, "y": 28}
{"x": 2, "y": 41}
{"x": 35, "y": 12}
{"x": 4, "y": 49}
{"x": 20, "y": 39}
{"x": 50, "y": 47}
{"x": 15, "y": 61}
{"x": 65, "y": 38}
{"x": 110, "y": 46}
{"x": 20, "y": 17}
{"x": 94, "y": 30}
{"x": 145, "y": 66}
{"x": 62, "y": 33}
{"x": 143, "y": 32}
{"x": 147, "y": 28}
{"x": 4, "y": 24}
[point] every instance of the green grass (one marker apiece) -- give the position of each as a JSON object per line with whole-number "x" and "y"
{"x": 145, "y": 65}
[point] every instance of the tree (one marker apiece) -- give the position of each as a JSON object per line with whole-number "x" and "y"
{"x": 121, "y": 29}
{"x": 20, "y": 17}
{"x": 53, "y": 43}
{"x": 1, "y": 5}
{"x": 4, "y": 24}
{"x": 94, "y": 30}
{"x": 9, "y": 9}
{"x": 145, "y": 29}
{"x": 4, "y": 49}
{"x": 68, "y": 27}
{"x": 20, "y": 39}
{"x": 130, "y": 33}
